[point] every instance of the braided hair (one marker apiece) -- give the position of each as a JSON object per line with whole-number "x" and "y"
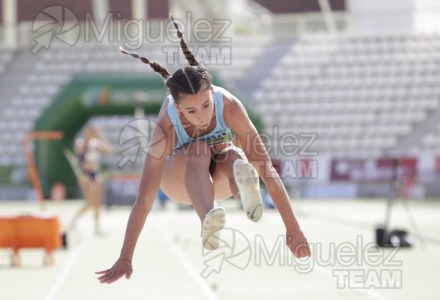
{"x": 154, "y": 65}
{"x": 185, "y": 81}
{"x": 188, "y": 54}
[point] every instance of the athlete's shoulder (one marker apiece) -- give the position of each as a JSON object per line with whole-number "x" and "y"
{"x": 164, "y": 127}
{"x": 234, "y": 111}
{"x": 163, "y": 118}
{"x": 229, "y": 100}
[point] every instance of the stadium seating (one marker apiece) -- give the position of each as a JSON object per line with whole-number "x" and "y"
{"x": 360, "y": 94}
{"x": 432, "y": 140}
{"x": 6, "y": 57}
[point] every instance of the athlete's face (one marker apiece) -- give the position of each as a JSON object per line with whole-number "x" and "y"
{"x": 198, "y": 108}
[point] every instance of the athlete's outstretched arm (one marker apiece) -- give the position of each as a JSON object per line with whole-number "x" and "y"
{"x": 160, "y": 147}
{"x": 238, "y": 120}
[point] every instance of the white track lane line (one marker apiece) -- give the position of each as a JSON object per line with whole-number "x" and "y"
{"x": 188, "y": 266}
{"x": 66, "y": 270}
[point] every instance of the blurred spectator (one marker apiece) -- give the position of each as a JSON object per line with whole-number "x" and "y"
{"x": 89, "y": 149}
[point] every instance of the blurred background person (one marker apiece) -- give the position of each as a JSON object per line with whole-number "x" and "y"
{"x": 89, "y": 148}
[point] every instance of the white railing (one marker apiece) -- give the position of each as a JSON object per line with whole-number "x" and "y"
{"x": 259, "y": 24}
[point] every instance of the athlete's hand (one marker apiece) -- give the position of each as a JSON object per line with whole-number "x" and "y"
{"x": 297, "y": 243}
{"x": 120, "y": 268}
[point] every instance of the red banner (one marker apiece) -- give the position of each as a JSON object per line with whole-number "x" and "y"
{"x": 373, "y": 170}
{"x": 437, "y": 165}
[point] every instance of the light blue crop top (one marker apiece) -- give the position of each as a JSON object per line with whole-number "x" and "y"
{"x": 221, "y": 133}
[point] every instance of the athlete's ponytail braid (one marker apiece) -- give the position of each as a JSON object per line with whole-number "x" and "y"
{"x": 185, "y": 81}
{"x": 154, "y": 65}
{"x": 188, "y": 54}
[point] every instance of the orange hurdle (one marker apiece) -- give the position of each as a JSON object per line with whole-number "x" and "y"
{"x": 30, "y": 232}
{"x": 40, "y": 231}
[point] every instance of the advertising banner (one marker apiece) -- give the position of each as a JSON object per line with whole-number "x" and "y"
{"x": 373, "y": 170}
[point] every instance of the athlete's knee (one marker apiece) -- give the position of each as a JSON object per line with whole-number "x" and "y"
{"x": 225, "y": 161}
{"x": 228, "y": 157}
{"x": 198, "y": 147}
{"x": 197, "y": 152}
